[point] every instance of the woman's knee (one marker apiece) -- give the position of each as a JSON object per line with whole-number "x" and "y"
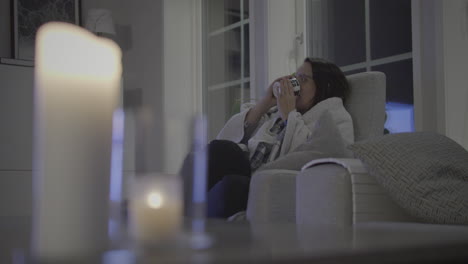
{"x": 226, "y": 157}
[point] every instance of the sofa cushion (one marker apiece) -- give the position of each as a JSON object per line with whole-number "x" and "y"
{"x": 425, "y": 173}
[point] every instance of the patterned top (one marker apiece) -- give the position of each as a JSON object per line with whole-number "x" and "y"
{"x": 266, "y": 152}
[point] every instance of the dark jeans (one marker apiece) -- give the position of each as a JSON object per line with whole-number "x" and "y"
{"x": 228, "y": 179}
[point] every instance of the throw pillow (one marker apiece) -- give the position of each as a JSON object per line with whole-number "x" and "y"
{"x": 425, "y": 173}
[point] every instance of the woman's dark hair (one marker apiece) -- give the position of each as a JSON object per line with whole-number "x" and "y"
{"x": 329, "y": 80}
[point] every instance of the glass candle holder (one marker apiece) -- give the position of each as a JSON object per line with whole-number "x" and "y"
{"x": 155, "y": 208}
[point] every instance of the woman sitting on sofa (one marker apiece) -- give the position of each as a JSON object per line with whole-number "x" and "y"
{"x": 271, "y": 129}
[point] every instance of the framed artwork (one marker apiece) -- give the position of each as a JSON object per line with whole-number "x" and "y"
{"x": 29, "y": 15}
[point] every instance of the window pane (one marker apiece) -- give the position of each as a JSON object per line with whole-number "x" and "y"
{"x": 349, "y": 37}
{"x": 390, "y": 23}
{"x": 399, "y": 108}
{"x": 246, "y": 51}
{"x": 246, "y": 9}
{"x": 223, "y": 103}
{"x": 399, "y": 118}
{"x": 246, "y": 94}
{"x": 223, "y": 55}
{"x": 399, "y": 81}
{"x": 338, "y": 30}
{"x": 224, "y": 13}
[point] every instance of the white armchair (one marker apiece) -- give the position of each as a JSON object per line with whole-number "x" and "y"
{"x": 330, "y": 191}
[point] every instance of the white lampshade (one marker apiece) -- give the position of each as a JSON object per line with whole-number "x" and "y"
{"x": 100, "y": 21}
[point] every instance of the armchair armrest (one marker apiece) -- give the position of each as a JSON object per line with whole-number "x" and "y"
{"x": 340, "y": 192}
{"x": 323, "y": 196}
{"x": 272, "y": 196}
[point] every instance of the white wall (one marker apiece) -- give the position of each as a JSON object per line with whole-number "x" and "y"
{"x": 281, "y": 38}
{"x": 440, "y": 50}
{"x": 16, "y": 103}
{"x": 16, "y": 107}
{"x": 182, "y": 97}
{"x": 139, "y": 28}
{"x": 455, "y": 63}
{"x": 275, "y": 52}
{"x": 428, "y": 76}
{"x": 139, "y": 32}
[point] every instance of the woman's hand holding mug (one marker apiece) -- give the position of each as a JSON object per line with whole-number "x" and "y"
{"x": 286, "y": 101}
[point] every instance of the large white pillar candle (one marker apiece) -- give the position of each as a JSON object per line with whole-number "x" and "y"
{"x": 77, "y": 76}
{"x": 155, "y": 208}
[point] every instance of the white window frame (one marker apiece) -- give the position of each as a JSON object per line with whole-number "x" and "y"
{"x": 243, "y": 79}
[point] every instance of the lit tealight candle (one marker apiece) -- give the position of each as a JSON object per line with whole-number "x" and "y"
{"x": 77, "y": 78}
{"x": 155, "y": 208}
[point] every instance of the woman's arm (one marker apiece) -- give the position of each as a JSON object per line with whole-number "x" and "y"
{"x": 253, "y": 117}
{"x": 268, "y": 101}
{"x": 262, "y": 107}
{"x": 241, "y": 127}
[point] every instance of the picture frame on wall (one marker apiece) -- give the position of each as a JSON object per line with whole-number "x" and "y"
{"x": 29, "y": 15}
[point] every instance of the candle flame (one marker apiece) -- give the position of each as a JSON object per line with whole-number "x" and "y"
{"x": 154, "y": 200}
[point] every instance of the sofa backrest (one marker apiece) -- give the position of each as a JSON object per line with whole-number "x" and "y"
{"x": 366, "y": 104}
